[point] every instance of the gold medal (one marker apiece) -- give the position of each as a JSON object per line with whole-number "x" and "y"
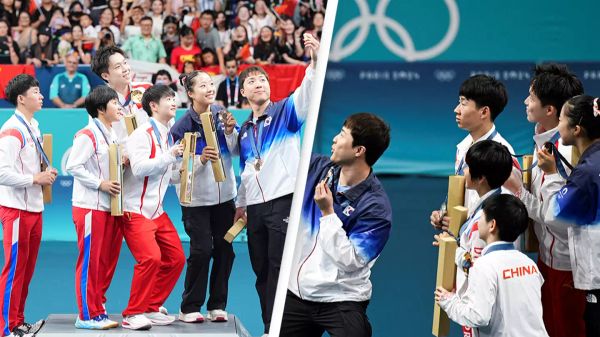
{"x": 136, "y": 96}
{"x": 257, "y": 164}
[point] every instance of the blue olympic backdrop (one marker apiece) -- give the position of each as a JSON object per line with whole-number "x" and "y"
{"x": 405, "y": 61}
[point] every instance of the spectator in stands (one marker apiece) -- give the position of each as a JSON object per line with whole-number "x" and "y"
{"x": 106, "y": 39}
{"x": 317, "y": 24}
{"x": 58, "y": 21}
{"x": 266, "y": 51}
{"x": 164, "y": 77}
{"x": 157, "y": 16}
{"x": 290, "y": 43}
{"x": 69, "y": 89}
{"x": 208, "y": 37}
{"x": 170, "y": 35}
{"x": 262, "y": 17}
{"x": 9, "y": 49}
{"x": 107, "y": 17}
{"x": 90, "y": 35}
{"x": 208, "y": 58}
{"x": 240, "y": 48}
{"x": 85, "y": 57}
{"x": 43, "y": 53}
{"x": 189, "y": 14}
{"x": 222, "y": 26}
{"x": 118, "y": 13}
{"x": 42, "y": 16}
{"x": 186, "y": 51}
{"x": 65, "y": 45}
{"x": 243, "y": 19}
{"x": 228, "y": 93}
{"x": 189, "y": 66}
{"x": 303, "y": 17}
{"x": 74, "y": 13}
{"x": 131, "y": 22}
{"x": 145, "y": 47}
{"x": 8, "y": 12}
{"x": 25, "y": 35}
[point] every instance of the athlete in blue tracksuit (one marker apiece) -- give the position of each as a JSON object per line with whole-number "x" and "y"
{"x": 346, "y": 222}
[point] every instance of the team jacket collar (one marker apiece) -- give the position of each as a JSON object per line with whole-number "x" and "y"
{"x": 594, "y": 147}
{"x": 357, "y": 190}
{"x": 33, "y": 122}
{"x": 544, "y": 136}
{"x": 194, "y": 115}
{"x": 268, "y": 112}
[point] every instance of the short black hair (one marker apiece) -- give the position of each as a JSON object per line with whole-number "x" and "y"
{"x": 230, "y": 58}
{"x": 146, "y": 18}
{"x": 185, "y": 31}
{"x": 101, "y": 59}
{"x": 485, "y": 90}
{"x": 252, "y": 70}
{"x": 554, "y": 84}
{"x": 155, "y": 94}
{"x": 98, "y": 99}
{"x": 489, "y": 159}
{"x": 370, "y": 131}
{"x": 160, "y": 73}
{"x": 19, "y": 86}
{"x": 208, "y": 12}
{"x": 510, "y": 214}
{"x": 579, "y": 110}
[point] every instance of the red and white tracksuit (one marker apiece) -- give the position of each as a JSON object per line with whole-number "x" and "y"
{"x": 148, "y": 231}
{"x": 99, "y": 235}
{"x": 563, "y": 304}
{"x": 21, "y": 206}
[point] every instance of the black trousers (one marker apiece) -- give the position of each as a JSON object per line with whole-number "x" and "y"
{"x": 592, "y": 313}
{"x": 310, "y": 319}
{"x": 206, "y": 226}
{"x": 266, "y": 229}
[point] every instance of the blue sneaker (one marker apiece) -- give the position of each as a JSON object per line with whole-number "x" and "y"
{"x": 100, "y": 322}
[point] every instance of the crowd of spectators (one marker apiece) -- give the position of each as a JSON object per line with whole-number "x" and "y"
{"x": 186, "y": 34}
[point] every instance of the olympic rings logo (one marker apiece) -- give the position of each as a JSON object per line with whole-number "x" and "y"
{"x": 382, "y": 23}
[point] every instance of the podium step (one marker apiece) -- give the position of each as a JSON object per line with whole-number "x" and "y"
{"x": 63, "y": 325}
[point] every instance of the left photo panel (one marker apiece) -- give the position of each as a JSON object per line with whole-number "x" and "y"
{"x": 149, "y": 153}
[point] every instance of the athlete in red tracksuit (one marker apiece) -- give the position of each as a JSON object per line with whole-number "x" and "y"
{"x": 89, "y": 164}
{"x": 112, "y": 66}
{"x": 148, "y": 231}
{"x": 21, "y": 202}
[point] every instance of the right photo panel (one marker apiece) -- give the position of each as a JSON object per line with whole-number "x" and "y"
{"x": 452, "y": 187}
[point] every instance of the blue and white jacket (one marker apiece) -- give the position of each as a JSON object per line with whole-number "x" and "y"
{"x": 334, "y": 254}
{"x": 577, "y": 204}
{"x": 280, "y": 148}
{"x": 206, "y": 191}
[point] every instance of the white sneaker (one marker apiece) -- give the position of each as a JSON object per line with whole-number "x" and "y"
{"x": 32, "y": 328}
{"x": 158, "y": 318}
{"x": 19, "y": 333}
{"x": 217, "y": 315}
{"x": 99, "y": 322}
{"x": 136, "y": 322}
{"x": 192, "y": 317}
{"x": 163, "y": 310}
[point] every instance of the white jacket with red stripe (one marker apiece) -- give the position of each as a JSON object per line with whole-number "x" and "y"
{"x": 88, "y": 164}
{"x": 471, "y": 197}
{"x": 131, "y": 108}
{"x": 19, "y": 162}
{"x": 553, "y": 238}
{"x": 146, "y": 182}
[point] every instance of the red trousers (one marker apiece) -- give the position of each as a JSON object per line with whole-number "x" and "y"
{"x": 22, "y": 232}
{"x": 99, "y": 241}
{"x": 563, "y": 305}
{"x": 159, "y": 257}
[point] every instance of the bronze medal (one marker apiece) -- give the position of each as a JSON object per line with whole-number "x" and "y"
{"x": 136, "y": 96}
{"x": 258, "y": 164}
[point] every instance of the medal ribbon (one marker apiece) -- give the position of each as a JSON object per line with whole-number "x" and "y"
{"x": 45, "y": 159}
